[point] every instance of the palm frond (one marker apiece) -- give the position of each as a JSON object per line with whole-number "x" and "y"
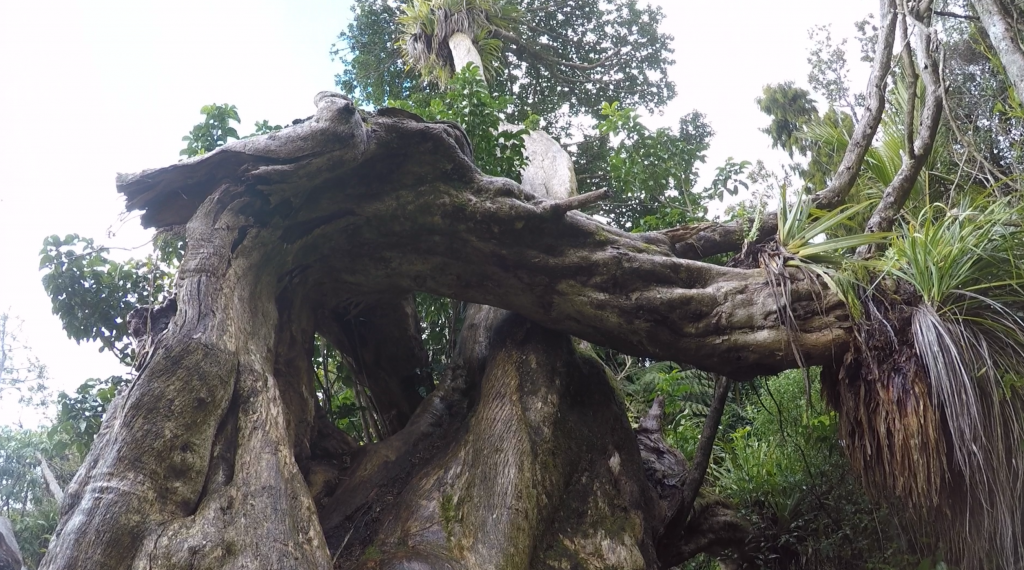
{"x": 427, "y": 25}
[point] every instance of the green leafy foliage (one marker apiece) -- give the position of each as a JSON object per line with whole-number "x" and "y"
{"x": 80, "y": 414}
{"x": 541, "y": 57}
{"x": 264, "y": 127}
{"x": 795, "y": 119}
{"x": 213, "y": 132}
{"x": 440, "y": 321}
{"x": 369, "y": 50}
{"x": 791, "y": 109}
{"x": 653, "y": 174}
{"x": 468, "y": 102}
{"x": 785, "y": 470}
{"x": 688, "y": 394}
{"x": 335, "y": 391}
{"x": 92, "y": 293}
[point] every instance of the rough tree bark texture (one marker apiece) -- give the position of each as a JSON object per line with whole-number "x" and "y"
{"x": 217, "y": 457}
{"x": 10, "y": 555}
{"x": 1005, "y": 37}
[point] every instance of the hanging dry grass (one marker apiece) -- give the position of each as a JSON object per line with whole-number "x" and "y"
{"x": 889, "y": 427}
{"x": 928, "y": 398}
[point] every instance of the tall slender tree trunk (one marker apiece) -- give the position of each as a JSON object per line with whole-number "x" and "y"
{"x": 549, "y": 171}
{"x": 1005, "y": 39}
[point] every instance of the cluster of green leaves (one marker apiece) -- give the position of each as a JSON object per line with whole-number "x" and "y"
{"x": 92, "y": 293}
{"x": 783, "y": 467}
{"x": 216, "y": 130}
{"x": 80, "y": 415}
{"x": 795, "y": 119}
{"x": 213, "y": 132}
{"x": 624, "y": 32}
{"x": 468, "y": 101}
{"x": 652, "y": 174}
{"x": 369, "y": 50}
{"x": 335, "y": 389}
{"x": 440, "y": 321}
{"x": 264, "y": 127}
{"x": 779, "y": 461}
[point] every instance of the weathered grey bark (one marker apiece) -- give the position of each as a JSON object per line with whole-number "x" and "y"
{"x": 920, "y": 132}
{"x": 1005, "y": 39}
{"x": 413, "y": 213}
{"x": 51, "y": 481}
{"x": 10, "y": 555}
{"x": 217, "y": 457}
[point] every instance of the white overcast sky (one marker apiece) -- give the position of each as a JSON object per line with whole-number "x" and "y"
{"x": 89, "y": 89}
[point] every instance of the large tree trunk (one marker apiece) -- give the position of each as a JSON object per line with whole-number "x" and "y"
{"x": 522, "y": 457}
{"x": 1002, "y": 31}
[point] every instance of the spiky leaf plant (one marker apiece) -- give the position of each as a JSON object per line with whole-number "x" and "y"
{"x": 968, "y": 331}
{"x": 428, "y": 25}
{"x": 928, "y": 395}
{"x": 803, "y": 250}
{"x": 803, "y": 244}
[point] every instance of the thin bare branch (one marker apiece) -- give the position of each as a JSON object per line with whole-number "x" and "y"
{"x": 898, "y": 191}
{"x": 561, "y": 207}
{"x": 702, "y": 456}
